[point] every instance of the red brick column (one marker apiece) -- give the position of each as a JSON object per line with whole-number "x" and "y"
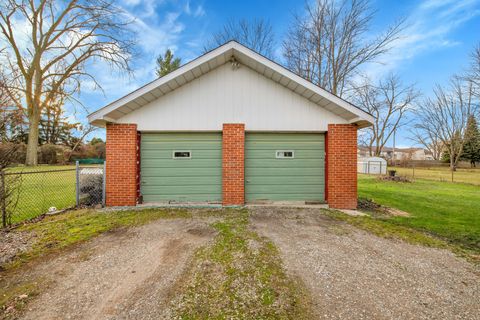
{"x": 342, "y": 166}
{"x": 233, "y": 164}
{"x": 121, "y": 149}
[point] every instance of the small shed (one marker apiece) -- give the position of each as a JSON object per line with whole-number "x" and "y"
{"x": 372, "y": 165}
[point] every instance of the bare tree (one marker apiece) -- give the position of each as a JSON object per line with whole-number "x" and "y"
{"x": 474, "y": 72}
{"x": 429, "y": 140}
{"x": 63, "y": 39}
{"x": 445, "y": 116}
{"x": 8, "y": 152}
{"x": 331, "y": 41}
{"x": 388, "y": 101}
{"x": 257, "y": 34}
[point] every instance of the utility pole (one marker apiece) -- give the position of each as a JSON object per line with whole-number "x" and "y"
{"x": 393, "y": 149}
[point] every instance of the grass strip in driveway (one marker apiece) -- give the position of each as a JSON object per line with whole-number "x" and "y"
{"x": 239, "y": 276}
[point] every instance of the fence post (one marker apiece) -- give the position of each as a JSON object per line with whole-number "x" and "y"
{"x": 104, "y": 183}
{"x": 3, "y": 198}
{"x": 77, "y": 183}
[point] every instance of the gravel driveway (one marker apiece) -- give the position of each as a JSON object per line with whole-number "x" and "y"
{"x": 352, "y": 274}
{"x": 127, "y": 274}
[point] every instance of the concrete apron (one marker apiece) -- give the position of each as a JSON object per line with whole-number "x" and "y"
{"x": 258, "y": 204}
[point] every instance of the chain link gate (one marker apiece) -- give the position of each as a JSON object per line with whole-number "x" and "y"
{"x": 90, "y": 185}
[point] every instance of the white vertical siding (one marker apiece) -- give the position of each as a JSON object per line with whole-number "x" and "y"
{"x": 227, "y": 96}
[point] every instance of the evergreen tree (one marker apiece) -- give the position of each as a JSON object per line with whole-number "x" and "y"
{"x": 167, "y": 63}
{"x": 471, "y": 150}
{"x": 55, "y": 127}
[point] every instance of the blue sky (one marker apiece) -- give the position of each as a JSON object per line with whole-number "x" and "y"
{"x": 435, "y": 44}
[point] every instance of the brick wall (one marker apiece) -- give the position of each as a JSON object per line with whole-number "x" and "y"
{"x": 233, "y": 164}
{"x": 121, "y": 156}
{"x": 342, "y": 166}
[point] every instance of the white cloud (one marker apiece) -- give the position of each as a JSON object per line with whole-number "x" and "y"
{"x": 198, "y": 12}
{"x": 428, "y": 28}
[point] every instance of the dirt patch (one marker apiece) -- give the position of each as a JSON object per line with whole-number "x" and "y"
{"x": 14, "y": 243}
{"x": 127, "y": 274}
{"x": 397, "y": 212}
{"x": 354, "y": 274}
{"x": 395, "y": 178}
{"x": 370, "y": 206}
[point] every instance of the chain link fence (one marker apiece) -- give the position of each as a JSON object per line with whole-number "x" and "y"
{"x": 26, "y": 195}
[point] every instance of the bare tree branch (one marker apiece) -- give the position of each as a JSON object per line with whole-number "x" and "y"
{"x": 257, "y": 34}
{"x": 64, "y": 39}
{"x": 442, "y": 120}
{"x": 388, "y": 101}
{"x": 331, "y": 42}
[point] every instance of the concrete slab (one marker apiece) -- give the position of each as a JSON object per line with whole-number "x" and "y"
{"x": 354, "y": 213}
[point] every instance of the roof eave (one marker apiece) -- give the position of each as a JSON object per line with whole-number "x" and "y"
{"x": 99, "y": 117}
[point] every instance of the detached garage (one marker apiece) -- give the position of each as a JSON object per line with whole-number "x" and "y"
{"x": 231, "y": 127}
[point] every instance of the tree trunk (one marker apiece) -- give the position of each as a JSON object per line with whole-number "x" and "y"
{"x": 453, "y": 167}
{"x": 32, "y": 145}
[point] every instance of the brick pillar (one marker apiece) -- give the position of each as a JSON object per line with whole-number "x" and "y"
{"x": 233, "y": 164}
{"x": 121, "y": 149}
{"x": 342, "y": 166}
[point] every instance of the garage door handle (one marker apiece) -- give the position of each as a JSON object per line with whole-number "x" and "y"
{"x": 247, "y": 181}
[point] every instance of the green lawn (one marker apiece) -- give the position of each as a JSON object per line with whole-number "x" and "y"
{"x": 448, "y": 210}
{"x": 41, "y": 190}
{"x": 471, "y": 176}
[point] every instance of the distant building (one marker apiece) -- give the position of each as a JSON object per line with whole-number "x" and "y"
{"x": 400, "y": 153}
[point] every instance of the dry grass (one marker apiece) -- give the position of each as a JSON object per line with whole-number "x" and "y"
{"x": 471, "y": 176}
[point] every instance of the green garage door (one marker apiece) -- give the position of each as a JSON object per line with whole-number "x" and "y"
{"x": 285, "y": 167}
{"x": 181, "y": 167}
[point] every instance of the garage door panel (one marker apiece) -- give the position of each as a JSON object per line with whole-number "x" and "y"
{"x": 252, "y": 172}
{"x": 299, "y": 154}
{"x": 300, "y": 178}
{"x": 292, "y": 180}
{"x": 283, "y": 136}
{"x": 283, "y": 163}
{"x": 179, "y": 136}
{"x": 284, "y": 189}
{"x": 180, "y": 163}
{"x": 156, "y": 153}
{"x": 204, "y": 197}
{"x": 181, "y": 145}
{"x": 266, "y": 145}
{"x": 181, "y": 190}
{"x": 198, "y": 178}
{"x": 313, "y": 197}
{"x": 185, "y": 172}
{"x": 180, "y": 181}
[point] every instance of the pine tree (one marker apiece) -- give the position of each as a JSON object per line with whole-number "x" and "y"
{"x": 471, "y": 150}
{"x": 55, "y": 127}
{"x": 167, "y": 63}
